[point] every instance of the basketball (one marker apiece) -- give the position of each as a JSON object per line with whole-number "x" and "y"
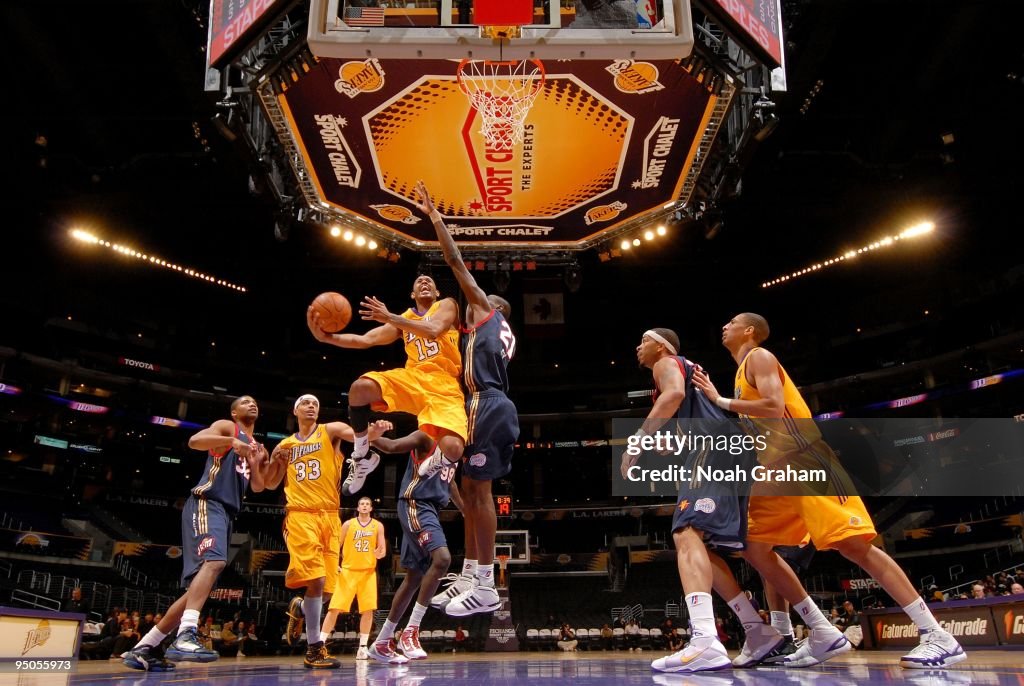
{"x": 334, "y": 310}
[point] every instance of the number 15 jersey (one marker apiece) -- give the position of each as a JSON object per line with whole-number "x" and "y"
{"x": 313, "y": 476}
{"x": 438, "y": 355}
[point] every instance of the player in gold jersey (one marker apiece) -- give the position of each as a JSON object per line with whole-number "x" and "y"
{"x": 765, "y": 395}
{"x": 363, "y": 542}
{"x": 428, "y": 385}
{"x": 309, "y": 463}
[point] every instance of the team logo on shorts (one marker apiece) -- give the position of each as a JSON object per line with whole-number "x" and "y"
{"x": 423, "y": 538}
{"x": 705, "y": 505}
{"x": 478, "y": 460}
{"x": 205, "y": 544}
{"x": 683, "y": 505}
{"x": 854, "y": 521}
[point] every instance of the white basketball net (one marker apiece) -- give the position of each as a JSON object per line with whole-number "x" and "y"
{"x": 502, "y": 93}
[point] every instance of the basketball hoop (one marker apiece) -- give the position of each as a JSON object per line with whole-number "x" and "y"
{"x": 502, "y": 565}
{"x": 502, "y": 93}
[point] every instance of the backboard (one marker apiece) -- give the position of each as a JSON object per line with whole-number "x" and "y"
{"x": 404, "y": 29}
{"x": 515, "y": 544}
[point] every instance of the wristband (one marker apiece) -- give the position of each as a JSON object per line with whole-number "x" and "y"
{"x": 724, "y": 403}
{"x": 435, "y": 217}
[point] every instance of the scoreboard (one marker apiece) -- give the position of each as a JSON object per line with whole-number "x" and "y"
{"x": 503, "y": 505}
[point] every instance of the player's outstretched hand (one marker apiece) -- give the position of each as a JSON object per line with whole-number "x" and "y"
{"x": 702, "y": 381}
{"x": 627, "y": 462}
{"x": 313, "y": 322}
{"x": 378, "y": 429}
{"x": 374, "y": 310}
{"x": 425, "y": 204}
{"x": 258, "y": 456}
{"x": 242, "y": 448}
{"x": 280, "y": 454}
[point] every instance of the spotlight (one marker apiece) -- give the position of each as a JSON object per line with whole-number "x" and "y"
{"x": 662, "y": 230}
{"x": 335, "y": 231}
{"x": 372, "y": 245}
{"x": 648, "y": 235}
{"x": 348, "y": 235}
{"x": 625, "y": 244}
{"x": 360, "y": 241}
{"x": 636, "y": 241}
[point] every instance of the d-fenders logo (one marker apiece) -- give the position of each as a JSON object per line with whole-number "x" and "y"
{"x": 37, "y": 637}
{"x": 635, "y": 77}
{"x": 354, "y": 78}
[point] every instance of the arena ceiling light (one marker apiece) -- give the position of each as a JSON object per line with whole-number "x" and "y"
{"x": 915, "y": 231}
{"x": 152, "y": 260}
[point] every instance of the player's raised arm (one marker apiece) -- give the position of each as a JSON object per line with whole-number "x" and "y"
{"x": 442, "y": 320}
{"x": 453, "y": 257}
{"x": 219, "y": 437}
{"x": 381, "y": 335}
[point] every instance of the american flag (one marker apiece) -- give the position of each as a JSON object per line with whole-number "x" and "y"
{"x": 364, "y": 16}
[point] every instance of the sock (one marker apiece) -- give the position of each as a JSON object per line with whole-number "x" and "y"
{"x": 469, "y": 568}
{"x": 485, "y": 575}
{"x": 189, "y": 620}
{"x": 363, "y": 638}
{"x": 922, "y": 616}
{"x": 812, "y": 615}
{"x": 417, "y": 615}
{"x": 744, "y": 611}
{"x": 702, "y": 615}
{"x": 311, "y": 606}
{"x": 387, "y": 631}
{"x": 780, "y": 620}
{"x": 324, "y": 636}
{"x": 152, "y": 638}
{"x": 359, "y": 417}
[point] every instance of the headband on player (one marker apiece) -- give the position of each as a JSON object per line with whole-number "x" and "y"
{"x": 303, "y": 397}
{"x": 660, "y": 339}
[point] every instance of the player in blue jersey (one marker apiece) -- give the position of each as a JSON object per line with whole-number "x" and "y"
{"x": 425, "y": 555}
{"x": 488, "y": 345}
{"x": 708, "y": 515}
{"x": 233, "y": 459}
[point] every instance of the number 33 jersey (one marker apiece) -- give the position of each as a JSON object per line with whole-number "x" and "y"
{"x": 313, "y": 476}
